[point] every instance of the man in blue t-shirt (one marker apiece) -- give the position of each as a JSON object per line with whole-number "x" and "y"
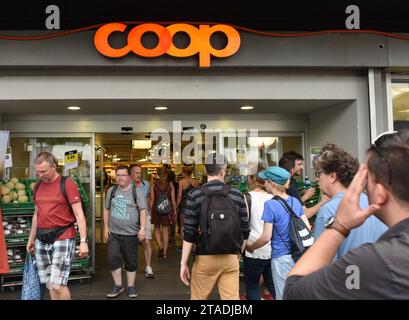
{"x": 276, "y": 225}
{"x": 143, "y": 185}
{"x": 335, "y": 170}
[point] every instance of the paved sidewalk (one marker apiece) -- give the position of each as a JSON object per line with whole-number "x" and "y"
{"x": 165, "y": 286}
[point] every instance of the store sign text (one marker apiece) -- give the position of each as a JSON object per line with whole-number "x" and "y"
{"x": 199, "y": 41}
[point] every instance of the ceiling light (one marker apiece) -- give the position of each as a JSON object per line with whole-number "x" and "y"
{"x": 141, "y": 144}
{"x": 161, "y": 108}
{"x": 74, "y": 108}
{"x": 246, "y": 108}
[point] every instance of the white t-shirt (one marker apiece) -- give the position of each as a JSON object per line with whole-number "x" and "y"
{"x": 256, "y": 224}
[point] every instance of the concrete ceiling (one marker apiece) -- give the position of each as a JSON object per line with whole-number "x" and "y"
{"x": 24, "y": 107}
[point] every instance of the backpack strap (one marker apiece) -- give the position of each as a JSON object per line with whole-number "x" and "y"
{"x": 134, "y": 194}
{"x": 247, "y": 201}
{"x": 289, "y": 211}
{"x": 223, "y": 191}
{"x": 63, "y": 189}
{"x": 112, "y": 195}
{"x": 36, "y": 187}
{"x": 284, "y": 203}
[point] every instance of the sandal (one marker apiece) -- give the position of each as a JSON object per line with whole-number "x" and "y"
{"x": 160, "y": 253}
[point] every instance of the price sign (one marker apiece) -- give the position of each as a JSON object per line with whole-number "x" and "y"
{"x": 8, "y": 161}
{"x": 71, "y": 159}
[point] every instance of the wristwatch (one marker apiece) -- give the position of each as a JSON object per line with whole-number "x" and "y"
{"x": 83, "y": 240}
{"x": 143, "y": 228}
{"x": 332, "y": 223}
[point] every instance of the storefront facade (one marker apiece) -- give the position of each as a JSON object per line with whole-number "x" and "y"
{"x": 329, "y": 88}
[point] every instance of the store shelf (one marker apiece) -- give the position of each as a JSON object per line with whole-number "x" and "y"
{"x": 19, "y": 217}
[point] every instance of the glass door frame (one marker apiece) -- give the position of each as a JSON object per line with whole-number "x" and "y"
{"x": 278, "y": 134}
{"x": 92, "y": 172}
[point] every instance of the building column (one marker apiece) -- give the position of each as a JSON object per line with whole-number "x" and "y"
{"x": 380, "y": 102}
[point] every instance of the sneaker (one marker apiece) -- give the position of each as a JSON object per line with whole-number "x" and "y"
{"x": 132, "y": 292}
{"x": 149, "y": 272}
{"x": 116, "y": 290}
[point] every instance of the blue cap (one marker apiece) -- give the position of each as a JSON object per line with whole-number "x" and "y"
{"x": 275, "y": 174}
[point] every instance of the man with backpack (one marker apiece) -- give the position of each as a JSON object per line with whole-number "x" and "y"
{"x": 52, "y": 235}
{"x": 124, "y": 224}
{"x": 216, "y": 220}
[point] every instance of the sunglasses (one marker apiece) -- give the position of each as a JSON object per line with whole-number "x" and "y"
{"x": 376, "y": 146}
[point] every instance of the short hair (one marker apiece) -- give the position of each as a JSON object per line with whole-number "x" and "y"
{"x": 333, "y": 159}
{"x": 123, "y": 167}
{"x": 215, "y": 163}
{"x": 45, "y": 156}
{"x": 287, "y": 162}
{"x": 294, "y": 154}
{"x": 288, "y": 159}
{"x": 134, "y": 165}
{"x": 388, "y": 163}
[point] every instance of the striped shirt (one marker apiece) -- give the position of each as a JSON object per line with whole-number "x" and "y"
{"x": 193, "y": 206}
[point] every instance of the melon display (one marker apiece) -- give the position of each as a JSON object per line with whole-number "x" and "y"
{"x": 14, "y": 180}
{"x": 10, "y": 185}
{"x": 13, "y": 195}
{"x": 22, "y": 199}
{"x": 4, "y": 190}
{"x": 20, "y": 186}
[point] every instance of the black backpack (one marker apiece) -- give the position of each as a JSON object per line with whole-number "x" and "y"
{"x": 163, "y": 206}
{"x": 64, "y": 193}
{"x": 301, "y": 238}
{"x": 220, "y": 227}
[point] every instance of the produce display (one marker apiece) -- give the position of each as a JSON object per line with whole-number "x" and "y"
{"x": 13, "y": 191}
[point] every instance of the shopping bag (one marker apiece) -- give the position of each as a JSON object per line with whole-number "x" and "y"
{"x": 32, "y": 288}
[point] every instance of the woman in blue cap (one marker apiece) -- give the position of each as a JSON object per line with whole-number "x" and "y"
{"x": 276, "y": 181}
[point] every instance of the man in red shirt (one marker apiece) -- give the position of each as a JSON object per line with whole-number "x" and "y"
{"x": 53, "y": 214}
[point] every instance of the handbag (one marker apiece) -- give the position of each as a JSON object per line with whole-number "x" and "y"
{"x": 32, "y": 288}
{"x": 51, "y": 235}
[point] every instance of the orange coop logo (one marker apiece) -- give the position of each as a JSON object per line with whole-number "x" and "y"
{"x": 199, "y": 41}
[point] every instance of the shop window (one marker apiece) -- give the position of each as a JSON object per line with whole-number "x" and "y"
{"x": 400, "y": 102}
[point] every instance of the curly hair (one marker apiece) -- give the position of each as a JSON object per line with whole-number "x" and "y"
{"x": 333, "y": 159}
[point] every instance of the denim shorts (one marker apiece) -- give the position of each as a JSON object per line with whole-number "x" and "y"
{"x": 54, "y": 261}
{"x": 280, "y": 268}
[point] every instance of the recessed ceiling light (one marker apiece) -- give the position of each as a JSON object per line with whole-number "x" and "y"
{"x": 74, "y": 108}
{"x": 247, "y": 108}
{"x": 161, "y": 108}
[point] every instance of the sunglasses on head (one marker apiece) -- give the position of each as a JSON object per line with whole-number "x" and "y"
{"x": 376, "y": 145}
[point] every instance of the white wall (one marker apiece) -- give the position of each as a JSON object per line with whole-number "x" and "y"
{"x": 341, "y": 125}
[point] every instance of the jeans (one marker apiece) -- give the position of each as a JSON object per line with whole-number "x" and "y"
{"x": 280, "y": 268}
{"x": 253, "y": 270}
